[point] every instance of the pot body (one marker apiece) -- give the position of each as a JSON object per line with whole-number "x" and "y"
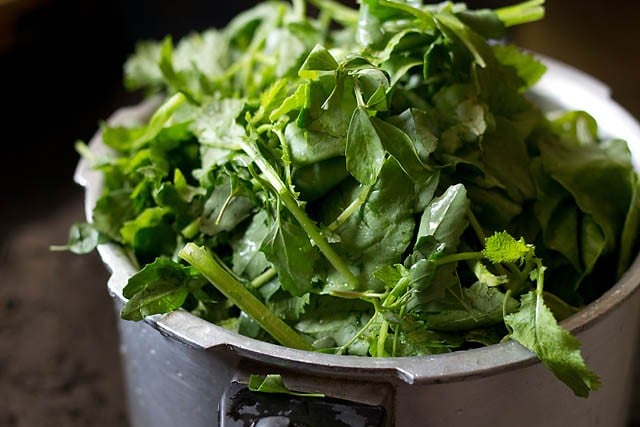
{"x": 178, "y": 367}
{"x": 169, "y": 381}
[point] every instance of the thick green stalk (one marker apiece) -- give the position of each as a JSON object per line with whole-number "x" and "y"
{"x": 235, "y": 291}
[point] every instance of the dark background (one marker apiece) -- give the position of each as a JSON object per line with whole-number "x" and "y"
{"x": 60, "y": 73}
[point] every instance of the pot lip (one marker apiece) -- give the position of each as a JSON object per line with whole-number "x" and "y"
{"x": 563, "y": 87}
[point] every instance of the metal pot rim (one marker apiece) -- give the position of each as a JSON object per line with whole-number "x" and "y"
{"x": 563, "y": 87}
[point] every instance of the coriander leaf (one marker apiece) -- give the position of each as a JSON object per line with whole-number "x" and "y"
{"x": 502, "y": 247}
{"x": 274, "y": 384}
{"x": 365, "y": 152}
{"x": 534, "y": 326}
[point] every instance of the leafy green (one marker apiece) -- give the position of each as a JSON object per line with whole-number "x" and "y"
{"x": 365, "y": 152}
{"x": 470, "y": 308}
{"x": 368, "y": 182}
{"x": 287, "y": 246}
{"x": 273, "y": 383}
{"x": 534, "y": 326}
{"x": 159, "y": 287}
{"x": 83, "y": 239}
{"x": 502, "y": 247}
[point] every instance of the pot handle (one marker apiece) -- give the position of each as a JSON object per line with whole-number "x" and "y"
{"x": 241, "y": 407}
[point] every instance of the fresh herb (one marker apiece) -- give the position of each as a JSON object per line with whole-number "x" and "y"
{"x": 370, "y": 182}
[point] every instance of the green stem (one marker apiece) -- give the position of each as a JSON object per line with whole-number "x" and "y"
{"x": 299, "y": 214}
{"x": 400, "y": 287}
{"x": 346, "y": 345}
{"x": 462, "y": 256}
{"x": 338, "y": 12}
{"x": 396, "y": 332}
{"x": 263, "y": 278}
{"x": 475, "y": 224}
{"x": 86, "y": 153}
{"x": 522, "y": 13}
{"x": 344, "y": 216}
{"x": 382, "y": 338}
{"x": 420, "y": 14}
{"x": 235, "y": 291}
{"x": 540, "y": 278}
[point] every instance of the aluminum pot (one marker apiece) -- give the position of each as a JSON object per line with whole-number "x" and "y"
{"x": 180, "y": 369}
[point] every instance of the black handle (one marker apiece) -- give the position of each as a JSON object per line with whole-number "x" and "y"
{"x": 241, "y": 407}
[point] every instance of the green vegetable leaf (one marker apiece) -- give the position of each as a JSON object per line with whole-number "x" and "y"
{"x": 274, "y": 384}
{"x": 141, "y": 69}
{"x": 529, "y": 69}
{"x": 319, "y": 59}
{"x": 160, "y": 287}
{"x": 150, "y": 233}
{"x": 468, "y": 308}
{"x": 365, "y": 152}
{"x": 444, "y": 217}
{"x": 124, "y": 139}
{"x": 83, "y": 238}
{"x": 381, "y": 229}
{"x": 248, "y": 260}
{"x": 336, "y": 322}
{"x": 534, "y": 326}
{"x": 288, "y": 248}
{"x": 502, "y": 247}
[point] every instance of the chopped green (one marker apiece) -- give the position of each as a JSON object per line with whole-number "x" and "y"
{"x": 329, "y": 184}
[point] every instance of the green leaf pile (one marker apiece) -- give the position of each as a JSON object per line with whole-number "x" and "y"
{"x": 329, "y": 184}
